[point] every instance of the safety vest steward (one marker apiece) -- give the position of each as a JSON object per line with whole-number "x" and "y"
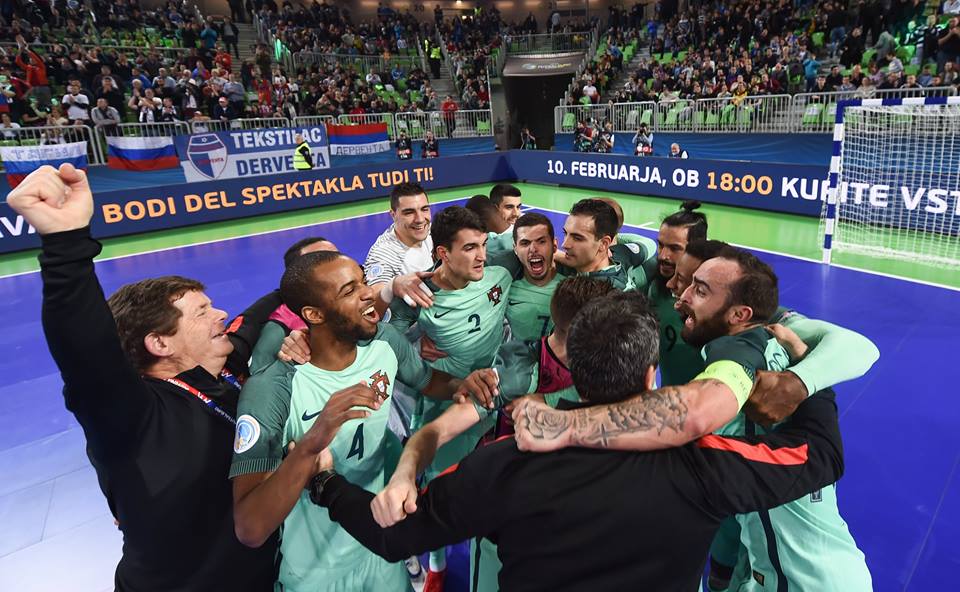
{"x": 299, "y": 161}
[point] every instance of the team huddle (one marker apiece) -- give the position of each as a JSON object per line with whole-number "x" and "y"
{"x": 475, "y": 379}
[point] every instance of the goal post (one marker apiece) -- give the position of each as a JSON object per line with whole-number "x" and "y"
{"x": 894, "y": 185}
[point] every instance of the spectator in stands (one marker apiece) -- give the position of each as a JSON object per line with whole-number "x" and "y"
{"x": 951, "y": 7}
{"x": 224, "y": 111}
{"x": 894, "y": 64}
{"x": 449, "y": 108}
{"x": 36, "y": 73}
{"x": 208, "y": 37}
{"x": 527, "y": 140}
{"x": 431, "y": 146}
{"x": 811, "y": 67}
{"x": 146, "y": 105}
{"x": 852, "y": 47}
{"x": 949, "y": 44}
{"x": 677, "y": 152}
{"x": 105, "y": 117}
{"x": 168, "y": 111}
{"x": 9, "y": 129}
{"x": 78, "y": 104}
{"x": 235, "y": 92}
{"x": 230, "y": 33}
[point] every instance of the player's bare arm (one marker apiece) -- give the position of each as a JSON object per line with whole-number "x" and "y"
{"x": 399, "y": 497}
{"x": 262, "y": 501}
{"x": 667, "y": 417}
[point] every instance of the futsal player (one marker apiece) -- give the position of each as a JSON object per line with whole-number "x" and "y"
{"x": 403, "y": 248}
{"x": 569, "y": 520}
{"x": 354, "y": 362}
{"x": 522, "y": 367}
{"x": 588, "y": 248}
{"x": 499, "y": 232}
{"x": 508, "y": 200}
{"x": 283, "y": 320}
{"x": 528, "y": 307}
{"x": 804, "y": 542}
{"x": 465, "y": 322}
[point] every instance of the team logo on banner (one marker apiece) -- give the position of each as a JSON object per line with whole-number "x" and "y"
{"x": 208, "y": 154}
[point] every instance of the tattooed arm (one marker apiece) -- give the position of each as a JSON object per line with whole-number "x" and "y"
{"x": 667, "y": 417}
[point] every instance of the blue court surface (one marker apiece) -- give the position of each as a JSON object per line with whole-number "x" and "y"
{"x": 900, "y": 495}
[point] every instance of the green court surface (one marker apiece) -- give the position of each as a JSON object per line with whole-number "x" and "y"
{"x": 795, "y": 236}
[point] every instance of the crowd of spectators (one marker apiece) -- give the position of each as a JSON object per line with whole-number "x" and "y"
{"x": 731, "y": 50}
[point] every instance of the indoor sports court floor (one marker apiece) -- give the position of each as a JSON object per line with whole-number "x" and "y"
{"x": 900, "y": 495}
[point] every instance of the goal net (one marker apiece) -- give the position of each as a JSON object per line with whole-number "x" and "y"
{"x": 896, "y": 192}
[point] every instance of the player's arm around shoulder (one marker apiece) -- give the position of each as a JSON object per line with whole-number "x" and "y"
{"x": 832, "y": 348}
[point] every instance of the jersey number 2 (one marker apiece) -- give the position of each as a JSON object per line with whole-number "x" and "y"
{"x": 475, "y": 319}
{"x": 356, "y": 447}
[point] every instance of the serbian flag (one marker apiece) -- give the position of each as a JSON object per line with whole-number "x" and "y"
{"x": 353, "y": 140}
{"x": 141, "y": 154}
{"x": 20, "y": 161}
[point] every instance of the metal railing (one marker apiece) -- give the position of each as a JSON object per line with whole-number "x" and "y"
{"x": 55, "y": 134}
{"x": 216, "y": 125}
{"x": 801, "y": 113}
{"x": 170, "y": 53}
{"x": 460, "y": 124}
{"x": 362, "y": 63}
{"x": 548, "y": 43}
{"x": 308, "y": 120}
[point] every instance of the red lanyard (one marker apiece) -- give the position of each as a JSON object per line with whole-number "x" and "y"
{"x": 204, "y": 399}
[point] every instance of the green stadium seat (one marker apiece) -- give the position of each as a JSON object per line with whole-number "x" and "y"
{"x": 483, "y": 127}
{"x": 829, "y": 115}
{"x": 30, "y": 142}
{"x": 868, "y": 57}
{"x": 713, "y": 118}
{"x": 745, "y": 115}
{"x": 415, "y": 128}
{"x": 818, "y": 39}
{"x": 906, "y": 53}
{"x": 728, "y": 115}
{"x": 569, "y": 122}
{"x": 646, "y": 117}
{"x": 913, "y": 69}
{"x": 632, "y": 117}
{"x": 812, "y": 114}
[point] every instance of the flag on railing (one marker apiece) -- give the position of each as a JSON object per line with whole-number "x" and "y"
{"x": 141, "y": 154}
{"x": 352, "y": 140}
{"x": 20, "y": 161}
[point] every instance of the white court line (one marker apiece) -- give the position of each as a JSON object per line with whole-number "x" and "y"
{"x": 645, "y": 226}
{"x": 230, "y": 238}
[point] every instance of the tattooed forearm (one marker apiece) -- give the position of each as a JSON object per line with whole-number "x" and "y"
{"x": 547, "y": 424}
{"x": 655, "y": 412}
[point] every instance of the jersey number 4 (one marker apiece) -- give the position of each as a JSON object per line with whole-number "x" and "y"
{"x": 356, "y": 447}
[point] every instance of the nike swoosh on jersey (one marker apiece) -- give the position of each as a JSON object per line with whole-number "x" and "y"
{"x": 306, "y": 417}
{"x": 514, "y": 302}
{"x": 438, "y": 315}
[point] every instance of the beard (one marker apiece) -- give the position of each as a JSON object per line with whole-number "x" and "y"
{"x": 349, "y": 330}
{"x": 705, "y": 330}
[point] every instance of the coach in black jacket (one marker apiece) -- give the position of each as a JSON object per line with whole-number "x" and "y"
{"x": 581, "y": 519}
{"x": 155, "y": 391}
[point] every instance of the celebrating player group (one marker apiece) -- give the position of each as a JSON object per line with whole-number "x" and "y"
{"x": 605, "y": 412}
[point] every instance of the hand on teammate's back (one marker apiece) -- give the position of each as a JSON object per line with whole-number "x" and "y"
{"x": 429, "y": 351}
{"x": 775, "y": 396}
{"x": 295, "y": 348}
{"x": 397, "y": 499}
{"x": 54, "y": 200}
{"x": 790, "y": 341}
{"x": 539, "y": 427}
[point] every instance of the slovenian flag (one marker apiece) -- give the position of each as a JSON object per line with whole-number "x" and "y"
{"x": 20, "y": 161}
{"x": 351, "y": 140}
{"x": 141, "y": 154}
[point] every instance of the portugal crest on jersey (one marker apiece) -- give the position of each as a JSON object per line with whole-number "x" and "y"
{"x": 379, "y": 382}
{"x": 494, "y": 295}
